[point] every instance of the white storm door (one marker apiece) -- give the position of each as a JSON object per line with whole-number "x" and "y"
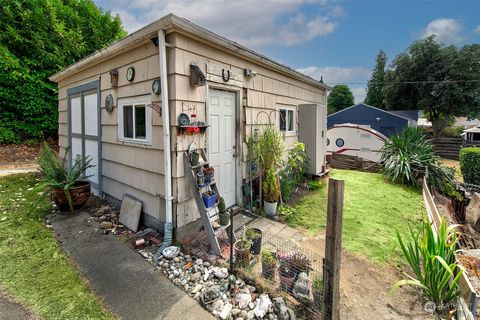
{"x": 221, "y": 142}
{"x": 84, "y": 135}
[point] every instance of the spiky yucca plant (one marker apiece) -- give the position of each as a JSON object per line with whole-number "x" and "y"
{"x": 56, "y": 176}
{"x": 432, "y": 259}
{"x": 408, "y": 156}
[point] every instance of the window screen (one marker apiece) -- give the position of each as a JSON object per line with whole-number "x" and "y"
{"x": 286, "y": 120}
{"x": 283, "y": 120}
{"x": 290, "y": 120}
{"x": 140, "y": 122}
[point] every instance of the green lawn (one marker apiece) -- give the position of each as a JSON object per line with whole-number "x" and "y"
{"x": 32, "y": 266}
{"x": 373, "y": 211}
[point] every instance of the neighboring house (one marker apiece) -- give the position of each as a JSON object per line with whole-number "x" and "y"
{"x": 355, "y": 140}
{"x": 385, "y": 122}
{"x": 472, "y": 134}
{"x": 113, "y": 106}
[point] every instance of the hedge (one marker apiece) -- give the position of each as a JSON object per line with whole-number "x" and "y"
{"x": 470, "y": 165}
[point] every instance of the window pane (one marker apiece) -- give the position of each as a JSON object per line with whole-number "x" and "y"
{"x": 290, "y": 120}
{"x": 140, "y": 122}
{"x": 128, "y": 122}
{"x": 283, "y": 120}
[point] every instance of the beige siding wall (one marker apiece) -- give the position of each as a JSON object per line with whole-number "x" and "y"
{"x": 266, "y": 92}
{"x": 131, "y": 168}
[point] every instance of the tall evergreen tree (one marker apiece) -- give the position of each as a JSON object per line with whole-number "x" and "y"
{"x": 375, "y": 89}
{"x": 37, "y": 39}
{"x": 340, "y": 98}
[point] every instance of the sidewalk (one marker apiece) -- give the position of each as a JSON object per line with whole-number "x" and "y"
{"x": 12, "y": 310}
{"x": 132, "y": 288}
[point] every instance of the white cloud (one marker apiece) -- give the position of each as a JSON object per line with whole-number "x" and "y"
{"x": 333, "y": 75}
{"x": 252, "y": 23}
{"x": 446, "y": 30}
{"x": 477, "y": 29}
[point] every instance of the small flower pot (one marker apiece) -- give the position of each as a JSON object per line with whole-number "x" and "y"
{"x": 268, "y": 270}
{"x": 256, "y": 247}
{"x": 194, "y": 158}
{"x": 286, "y": 281}
{"x": 270, "y": 208}
{"x": 209, "y": 200}
{"x": 242, "y": 253}
{"x": 79, "y": 194}
{"x": 200, "y": 179}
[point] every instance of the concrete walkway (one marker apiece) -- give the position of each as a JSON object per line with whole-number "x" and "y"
{"x": 12, "y": 310}
{"x": 132, "y": 287}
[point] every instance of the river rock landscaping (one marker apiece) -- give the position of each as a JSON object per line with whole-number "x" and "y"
{"x": 221, "y": 293}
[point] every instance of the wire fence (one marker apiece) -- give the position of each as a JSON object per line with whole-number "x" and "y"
{"x": 285, "y": 269}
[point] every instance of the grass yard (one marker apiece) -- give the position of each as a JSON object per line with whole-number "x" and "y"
{"x": 32, "y": 266}
{"x": 373, "y": 211}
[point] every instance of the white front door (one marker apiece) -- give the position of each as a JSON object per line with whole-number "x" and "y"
{"x": 84, "y": 134}
{"x": 221, "y": 142}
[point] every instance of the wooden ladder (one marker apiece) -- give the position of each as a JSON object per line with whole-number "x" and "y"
{"x": 208, "y": 215}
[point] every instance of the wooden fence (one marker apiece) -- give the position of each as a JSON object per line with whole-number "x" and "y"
{"x": 469, "y": 299}
{"x": 344, "y": 161}
{"x": 449, "y": 148}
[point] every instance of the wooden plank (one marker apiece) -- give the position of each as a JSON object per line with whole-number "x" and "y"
{"x": 333, "y": 250}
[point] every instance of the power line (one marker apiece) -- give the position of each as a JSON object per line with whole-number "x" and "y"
{"x": 406, "y": 82}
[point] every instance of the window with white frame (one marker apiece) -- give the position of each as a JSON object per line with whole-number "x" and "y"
{"x": 287, "y": 117}
{"x": 134, "y": 120}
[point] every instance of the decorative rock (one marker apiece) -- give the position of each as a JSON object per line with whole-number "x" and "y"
{"x": 199, "y": 262}
{"x": 196, "y": 276}
{"x": 106, "y": 225}
{"x": 226, "y": 311}
{"x": 206, "y": 264}
{"x": 197, "y": 288}
{"x": 243, "y": 314}
{"x": 251, "y": 305}
{"x": 236, "y": 312}
{"x": 250, "y": 315}
{"x": 220, "y": 273}
{"x": 218, "y": 305}
{"x": 301, "y": 288}
{"x": 176, "y": 259}
{"x": 243, "y": 299}
{"x": 263, "y": 306}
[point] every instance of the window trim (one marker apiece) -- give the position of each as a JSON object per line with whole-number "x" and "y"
{"x": 281, "y": 108}
{"x": 135, "y": 101}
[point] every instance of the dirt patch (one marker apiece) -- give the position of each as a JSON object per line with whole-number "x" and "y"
{"x": 365, "y": 288}
{"x": 22, "y": 156}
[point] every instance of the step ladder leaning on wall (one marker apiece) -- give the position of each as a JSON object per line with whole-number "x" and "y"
{"x": 210, "y": 216}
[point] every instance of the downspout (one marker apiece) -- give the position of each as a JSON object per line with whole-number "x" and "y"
{"x": 168, "y": 230}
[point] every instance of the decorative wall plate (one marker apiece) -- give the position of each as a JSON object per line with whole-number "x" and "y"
{"x": 183, "y": 119}
{"x": 109, "y": 103}
{"x": 156, "y": 86}
{"x": 130, "y": 74}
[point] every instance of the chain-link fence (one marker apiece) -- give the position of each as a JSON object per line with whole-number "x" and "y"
{"x": 282, "y": 267}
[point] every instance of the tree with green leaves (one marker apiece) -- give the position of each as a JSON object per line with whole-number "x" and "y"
{"x": 339, "y": 98}
{"x": 39, "y": 38}
{"x": 375, "y": 88}
{"x": 441, "y": 80}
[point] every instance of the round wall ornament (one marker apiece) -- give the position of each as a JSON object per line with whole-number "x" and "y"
{"x": 130, "y": 74}
{"x": 109, "y": 103}
{"x": 156, "y": 86}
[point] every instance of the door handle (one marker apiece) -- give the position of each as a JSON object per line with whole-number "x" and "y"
{"x": 234, "y": 151}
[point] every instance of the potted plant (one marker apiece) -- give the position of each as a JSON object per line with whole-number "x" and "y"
{"x": 209, "y": 172}
{"x": 255, "y": 235}
{"x": 271, "y": 193}
{"x": 242, "y": 251}
{"x": 68, "y": 189}
{"x": 269, "y": 264}
{"x": 194, "y": 158}
{"x": 286, "y": 273}
{"x": 209, "y": 198}
{"x": 224, "y": 216}
{"x": 300, "y": 263}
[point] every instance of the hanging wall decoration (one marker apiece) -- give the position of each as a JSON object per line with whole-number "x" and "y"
{"x": 156, "y": 86}
{"x": 130, "y": 74}
{"x": 109, "y": 103}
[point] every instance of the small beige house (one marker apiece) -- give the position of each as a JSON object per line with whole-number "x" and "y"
{"x": 115, "y": 104}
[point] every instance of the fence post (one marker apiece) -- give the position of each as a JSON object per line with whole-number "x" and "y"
{"x": 333, "y": 251}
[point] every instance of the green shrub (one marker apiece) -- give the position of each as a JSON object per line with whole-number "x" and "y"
{"x": 286, "y": 212}
{"x": 8, "y": 136}
{"x": 432, "y": 259}
{"x": 270, "y": 188}
{"x": 408, "y": 156}
{"x": 269, "y": 149}
{"x": 294, "y": 170}
{"x": 470, "y": 165}
{"x": 452, "y": 131}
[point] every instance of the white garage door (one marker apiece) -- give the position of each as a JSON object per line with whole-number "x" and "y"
{"x": 84, "y": 109}
{"x": 221, "y": 142}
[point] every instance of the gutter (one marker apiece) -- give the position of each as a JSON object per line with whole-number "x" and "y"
{"x": 168, "y": 232}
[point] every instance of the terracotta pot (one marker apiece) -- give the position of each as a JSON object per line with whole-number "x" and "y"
{"x": 80, "y": 192}
{"x": 242, "y": 254}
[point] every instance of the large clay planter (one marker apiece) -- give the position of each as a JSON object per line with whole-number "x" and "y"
{"x": 270, "y": 208}
{"x": 242, "y": 254}
{"x": 80, "y": 192}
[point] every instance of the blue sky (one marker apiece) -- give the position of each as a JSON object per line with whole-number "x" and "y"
{"x": 334, "y": 39}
